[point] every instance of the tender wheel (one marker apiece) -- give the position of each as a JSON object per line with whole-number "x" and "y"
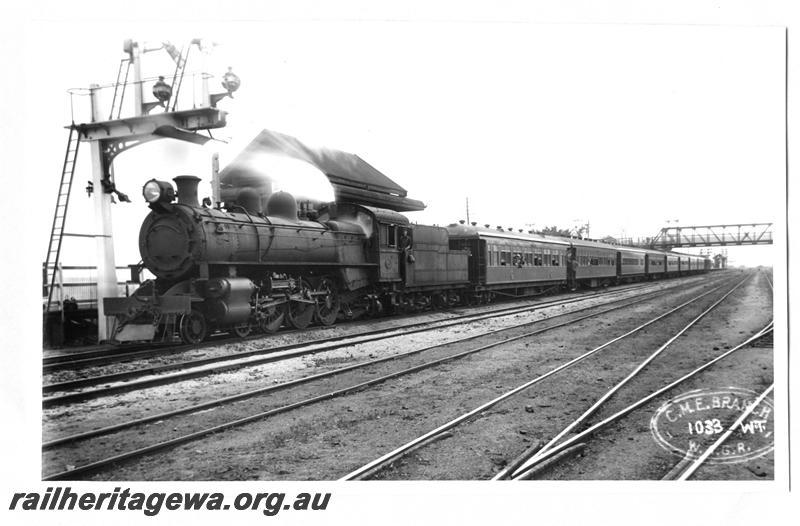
{"x": 327, "y": 308}
{"x": 243, "y": 329}
{"x": 193, "y": 328}
{"x": 300, "y": 313}
{"x": 272, "y": 319}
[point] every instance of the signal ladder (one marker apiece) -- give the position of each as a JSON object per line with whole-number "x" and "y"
{"x": 123, "y": 64}
{"x": 181, "y": 58}
{"x": 57, "y": 232}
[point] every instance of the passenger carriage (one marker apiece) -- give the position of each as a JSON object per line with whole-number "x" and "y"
{"x": 631, "y": 263}
{"x": 655, "y": 264}
{"x": 510, "y": 263}
{"x": 672, "y": 265}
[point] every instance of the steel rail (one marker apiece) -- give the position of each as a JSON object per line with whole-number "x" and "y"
{"x": 112, "y": 355}
{"x": 603, "y": 399}
{"x": 94, "y": 466}
{"x": 273, "y": 354}
{"x": 306, "y": 379}
{"x": 380, "y": 462}
{"x": 109, "y": 356}
{"x": 525, "y": 468}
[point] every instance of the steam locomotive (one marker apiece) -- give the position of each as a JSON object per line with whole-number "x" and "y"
{"x": 234, "y": 268}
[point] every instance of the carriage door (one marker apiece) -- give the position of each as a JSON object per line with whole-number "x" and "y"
{"x": 389, "y": 259}
{"x": 479, "y": 260}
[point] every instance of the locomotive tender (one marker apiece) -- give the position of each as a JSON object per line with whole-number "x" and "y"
{"x": 236, "y": 268}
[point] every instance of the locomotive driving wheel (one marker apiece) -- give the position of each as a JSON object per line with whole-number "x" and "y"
{"x": 300, "y": 311}
{"x": 272, "y": 318}
{"x": 327, "y": 302}
{"x": 192, "y": 327}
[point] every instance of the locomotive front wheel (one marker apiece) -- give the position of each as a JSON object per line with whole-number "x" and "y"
{"x": 243, "y": 329}
{"x": 193, "y": 328}
{"x": 327, "y": 308}
{"x": 300, "y": 313}
{"x": 273, "y": 319}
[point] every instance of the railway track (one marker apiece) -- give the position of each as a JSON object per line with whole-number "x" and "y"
{"x": 354, "y": 387}
{"x": 126, "y": 353}
{"x": 141, "y": 378}
{"x": 372, "y": 468}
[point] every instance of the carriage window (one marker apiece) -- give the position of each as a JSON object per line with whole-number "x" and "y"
{"x": 505, "y": 258}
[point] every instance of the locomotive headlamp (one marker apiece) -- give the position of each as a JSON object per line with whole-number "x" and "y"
{"x": 158, "y": 191}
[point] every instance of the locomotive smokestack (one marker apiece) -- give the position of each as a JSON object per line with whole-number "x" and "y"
{"x": 187, "y": 189}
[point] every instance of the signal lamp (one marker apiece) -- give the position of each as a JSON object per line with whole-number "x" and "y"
{"x": 161, "y": 90}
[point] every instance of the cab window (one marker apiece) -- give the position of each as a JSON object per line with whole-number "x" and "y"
{"x": 389, "y": 233}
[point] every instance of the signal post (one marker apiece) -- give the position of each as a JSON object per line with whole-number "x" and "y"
{"x": 108, "y": 138}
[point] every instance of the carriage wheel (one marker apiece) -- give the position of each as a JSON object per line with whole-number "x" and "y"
{"x": 243, "y": 329}
{"x": 439, "y": 300}
{"x": 327, "y": 308}
{"x": 272, "y": 319}
{"x": 299, "y": 314}
{"x": 193, "y": 328}
{"x": 453, "y": 299}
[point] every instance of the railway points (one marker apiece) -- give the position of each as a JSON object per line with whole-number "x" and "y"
{"x": 525, "y": 470}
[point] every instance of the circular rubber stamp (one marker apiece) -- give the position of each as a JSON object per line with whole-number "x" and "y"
{"x": 688, "y": 424}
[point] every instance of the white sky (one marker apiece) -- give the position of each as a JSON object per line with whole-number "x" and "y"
{"x": 624, "y": 126}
